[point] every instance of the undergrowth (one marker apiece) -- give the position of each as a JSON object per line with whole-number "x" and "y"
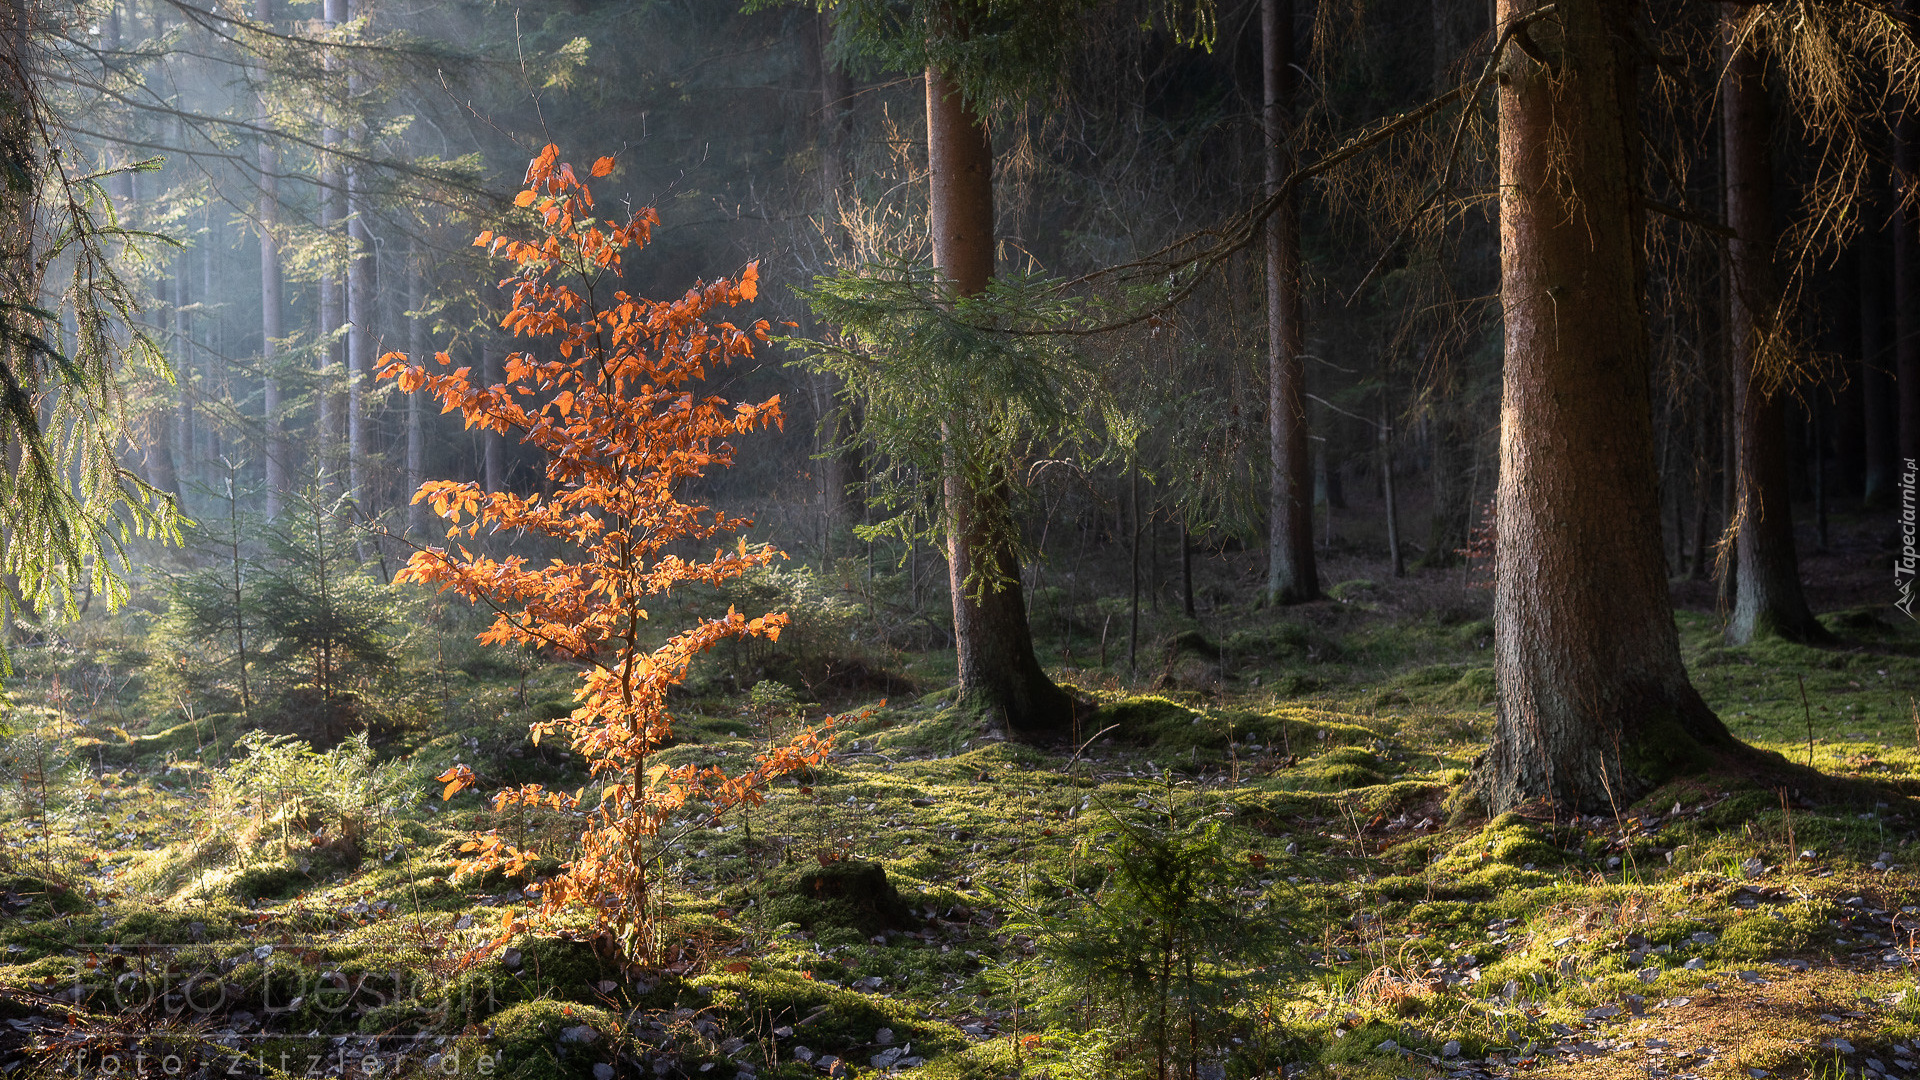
{"x": 1233, "y": 875}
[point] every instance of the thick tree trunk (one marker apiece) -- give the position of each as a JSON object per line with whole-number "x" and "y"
{"x": 1767, "y": 594}
{"x": 1291, "y": 575}
{"x": 1594, "y": 703}
{"x": 998, "y": 668}
{"x": 418, "y": 513}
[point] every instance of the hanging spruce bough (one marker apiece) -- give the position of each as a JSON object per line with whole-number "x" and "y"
{"x": 623, "y": 429}
{"x": 956, "y": 386}
{"x": 69, "y": 504}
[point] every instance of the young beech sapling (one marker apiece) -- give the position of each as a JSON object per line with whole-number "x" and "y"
{"x": 611, "y": 403}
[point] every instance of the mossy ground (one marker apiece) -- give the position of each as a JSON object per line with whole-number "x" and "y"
{"x": 1323, "y": 744}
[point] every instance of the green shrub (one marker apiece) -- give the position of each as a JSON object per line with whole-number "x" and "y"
{"x": 1165, "y": 954}
{"x": 340, "y": 799}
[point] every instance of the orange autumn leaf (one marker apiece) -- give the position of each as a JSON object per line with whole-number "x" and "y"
{"x": 603, "y": 166}
{"x": 457, "y": 779}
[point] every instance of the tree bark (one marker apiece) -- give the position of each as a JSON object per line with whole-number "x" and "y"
{"x": 997, "y": 666}
{"x": 1768, "y": 598}
{"x": 1594, "y": 703}
{"x": 1291, "y": 575}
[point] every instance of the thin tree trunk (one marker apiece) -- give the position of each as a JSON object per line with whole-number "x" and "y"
{"x": 1133, "y": 571}
{"x": 272, "y": 306}
{"x": 360, "y": 307}
{"x": 1153, "y": 560}
{"x": 1186, "y": 570}
{"x": 360, "y": 333}
{"x": 1879, "y": 413}
{"x": 1594, "y": 703}
{"x": 1702, "y": 513}
{"x": 1452, "y": 411}
{"x": 1291, "y": 575}
{"x": 1849, "y": 439}
{"x": 1452, "y": 462}
{"x": 158, "y": 451}
{"x": 997, "y": 665}
{"x": 1817, "y": 431}
{"x": 183, "y": 374}
{"x": 1906, "y": 294}
{"x": 1768, "y": 598}
{"x": 417, "y": 512}
{"x": 271, "y": 329}
{"x": 333, "y": 300}
{"x": 206, "y": 433}
{"x": 494, "y": 444}
{"x": 1727, "y": 552}
{"x": 1395, "y": 558}
{"x": 842, "y": 468}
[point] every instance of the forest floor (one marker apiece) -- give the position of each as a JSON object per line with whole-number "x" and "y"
{"x": 1259, "y": 862}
